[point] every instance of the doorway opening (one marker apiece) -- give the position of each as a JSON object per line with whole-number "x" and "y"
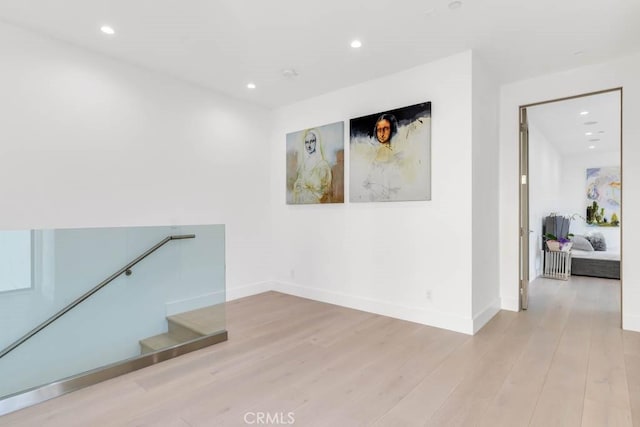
{"x": 570, "y": 193}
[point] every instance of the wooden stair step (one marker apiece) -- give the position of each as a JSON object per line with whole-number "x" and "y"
{"x": 158, "y": 342}
{"x": 197, "y": 323}
{"x": 187, "y": 326}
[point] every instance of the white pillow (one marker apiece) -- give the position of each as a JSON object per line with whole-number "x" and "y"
{"x": 581, "y": 243}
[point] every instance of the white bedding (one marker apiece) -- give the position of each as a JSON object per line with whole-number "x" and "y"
{"x": 608, "y": 255}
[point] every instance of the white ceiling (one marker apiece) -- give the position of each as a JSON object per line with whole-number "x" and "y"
{"x": 224, "y": 44}
{"x": 566, "y": 129}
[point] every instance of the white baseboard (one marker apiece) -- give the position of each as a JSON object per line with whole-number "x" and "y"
{"x": 237, "y": 292}
{"x": 212, "y": 298}
{"x": 485, "y": 315}
{"x": 194, "y": 303}
{"x": 631, "y": 323}
{"x": 510, "y": 304}
{"x": 412, "y": 314}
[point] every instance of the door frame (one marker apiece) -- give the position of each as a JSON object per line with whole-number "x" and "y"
{"x": 523, "y": 194}
{"x": 523, "y": 212}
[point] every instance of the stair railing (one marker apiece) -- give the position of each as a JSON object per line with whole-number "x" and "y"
{"x": 126, "y": 270}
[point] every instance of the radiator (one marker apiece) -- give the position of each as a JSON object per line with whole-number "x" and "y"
{"x": 557, "y": 264}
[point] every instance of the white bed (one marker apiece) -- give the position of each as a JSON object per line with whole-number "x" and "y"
{"x": 609, "y": 255}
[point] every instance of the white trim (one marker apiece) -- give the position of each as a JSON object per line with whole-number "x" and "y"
{"x": 486, "y": 315}
{"x": 194, "y": 303}
{"x": 411, "y": 314}
{"x": 631, "y": 323}
{"x": 237, "y": 292}
{"x": 511, "y": 304}
{"x": 403, "y": 312}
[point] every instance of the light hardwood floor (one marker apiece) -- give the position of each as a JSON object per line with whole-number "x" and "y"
{"x": 564, "y": 362}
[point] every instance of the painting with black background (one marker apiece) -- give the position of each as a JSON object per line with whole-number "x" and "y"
{"x": 390, "y": 155}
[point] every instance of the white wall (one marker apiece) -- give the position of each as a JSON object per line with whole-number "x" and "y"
{"x": 485, "y": 279}
{"x": 386, "y": 257}
{"x": 622, "y": 72}
{"x": 545, "y": 182}
{"x": 88, "y": 141}
{"x": 15, "y": 260}
{"x": 573, "y": 192}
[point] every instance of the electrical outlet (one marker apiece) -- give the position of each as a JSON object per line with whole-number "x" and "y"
{"x": 427, "y": 294}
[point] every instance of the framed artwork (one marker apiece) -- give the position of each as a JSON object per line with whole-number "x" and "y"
{"x": 390, "y": 155}
{"x": 603, "y": 196}
{"x": 315, "y": 165}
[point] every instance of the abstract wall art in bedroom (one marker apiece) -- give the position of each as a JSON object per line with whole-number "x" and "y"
{"x": 390, "y": 155}
{"x": 315, "y": 165}
{"x": 603, "y": 196}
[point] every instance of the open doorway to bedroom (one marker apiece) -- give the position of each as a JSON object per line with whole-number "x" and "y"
{"x": 570, "y": 202}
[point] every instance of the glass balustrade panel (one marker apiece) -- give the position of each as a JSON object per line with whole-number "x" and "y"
{"x": 172, "y": 296}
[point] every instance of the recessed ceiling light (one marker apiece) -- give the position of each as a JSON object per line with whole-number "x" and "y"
{"x": 578, "y": 52}
{"x": 588, "y": 133}
{"x": 594, "y": 140}
{"x": 600, "y": 131}
{"x": 107, "y": 30}
{"x": 591, "y": 147}
{"x": 591, "y": 123}
{"x": 584, "y": 113}
{"x": 251, "y": 85}
{"x": 455, "y": 5}
{"x": 356, "y": 44}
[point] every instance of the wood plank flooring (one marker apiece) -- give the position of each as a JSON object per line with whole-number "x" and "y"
{"x": 564, "y": 362}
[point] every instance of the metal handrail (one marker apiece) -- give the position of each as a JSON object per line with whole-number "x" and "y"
{"x": 126, "y": 269}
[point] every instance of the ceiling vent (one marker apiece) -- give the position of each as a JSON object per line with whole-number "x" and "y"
{"x": 290, "y": 73}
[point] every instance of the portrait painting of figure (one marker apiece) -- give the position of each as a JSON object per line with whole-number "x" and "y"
{"x": 390, "y": 155}
{"x": 315, "y": 165}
